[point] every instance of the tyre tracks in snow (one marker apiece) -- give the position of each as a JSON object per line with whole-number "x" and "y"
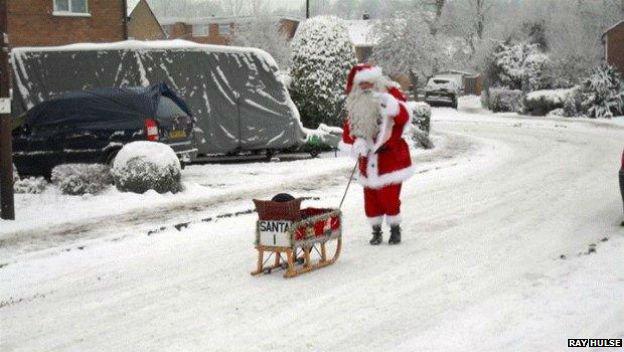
{"x": 179, "y": 216}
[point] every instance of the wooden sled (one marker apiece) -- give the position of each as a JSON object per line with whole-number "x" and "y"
{"x": 299, "y": 247}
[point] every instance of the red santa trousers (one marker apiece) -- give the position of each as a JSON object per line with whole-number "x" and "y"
{"x": 383, "y": 201}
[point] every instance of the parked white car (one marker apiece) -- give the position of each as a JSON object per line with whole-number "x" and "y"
{"x": 442, "y": 90}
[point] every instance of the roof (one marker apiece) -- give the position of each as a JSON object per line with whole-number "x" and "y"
{"x": 132, "y": 4}
{"x": 361, "y": 32}
{"x": 221, "y": 20}
{"x": 612, "y": 28}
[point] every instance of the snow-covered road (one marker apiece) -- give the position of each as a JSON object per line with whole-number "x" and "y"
{"x": 486, "y": 222}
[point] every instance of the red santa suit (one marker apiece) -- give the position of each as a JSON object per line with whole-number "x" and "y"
{"x": 387, "y": 163}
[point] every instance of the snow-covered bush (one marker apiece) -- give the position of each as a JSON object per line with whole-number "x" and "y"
{"x": 322, "y": 55}
{"x": 421, "y": 115}
{"x": 521, "y": 66}
{"x": 572, "y": 105}
{"x": 30, "y": 185}
{"x": 420, "y": 139}
{"x": 141, "y": 166}
{"x": 540, "y": 102}
{"x": 603, "y": 93}
{"x": 503, "y": 100}
{"x": 79, "y": 179}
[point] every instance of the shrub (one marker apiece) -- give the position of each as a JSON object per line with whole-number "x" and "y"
{"x": 141, "y": 166}
{"x": 30, "y": 185}
{"x": 79, "y": 179}
{"x": 503, "y": 100}
{"x": 521, "y": 66}
{"x": 421, "y": 115}
{"x": 322, "y": 55}
{"x": 541, "y": 102}
{"x": 603, "y": 93}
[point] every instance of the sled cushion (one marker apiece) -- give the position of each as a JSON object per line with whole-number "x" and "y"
{"x": 268, "y": 210}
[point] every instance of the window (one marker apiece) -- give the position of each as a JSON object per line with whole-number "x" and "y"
{"x": 224, "y": 29}
{"x": 71, "y": 7}
{"x": 200, "y": 30}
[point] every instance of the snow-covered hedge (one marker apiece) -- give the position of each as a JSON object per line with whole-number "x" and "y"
{"x": 603, "y": 93}
{"x": 541, "y": 102}
{"x": 79, "y": 179}
{"x": 30, "y": 185}
{"x": 503, "y": 100}
{"x": 322, "y": 55}
{"x": 141, "y": 166}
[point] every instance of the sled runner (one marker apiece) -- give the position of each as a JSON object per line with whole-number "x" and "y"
{"x": 299, "y": 241}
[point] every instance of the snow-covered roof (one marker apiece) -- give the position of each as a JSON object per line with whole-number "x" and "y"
{"x": 362, "y": 33}
{"x": 132, "y": 4}
{"x": 612, "y": 28}
{"x": 221, "y": 20}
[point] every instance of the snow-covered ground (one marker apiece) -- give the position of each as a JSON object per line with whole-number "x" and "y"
{"x": 487, "y": 220}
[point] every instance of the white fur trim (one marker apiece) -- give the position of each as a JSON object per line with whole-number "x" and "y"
{"x": 367, "y": 75}
{"x": 392, "y": 106}
{"x": 392, "y": 220}
{"x": 377, "y": 220}
{"x": 376, "y": 181}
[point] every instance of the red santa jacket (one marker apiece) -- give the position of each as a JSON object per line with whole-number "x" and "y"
{"x": 392, "y": 163}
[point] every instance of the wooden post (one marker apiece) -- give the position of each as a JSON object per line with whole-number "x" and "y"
{"x": 7, "y": 203}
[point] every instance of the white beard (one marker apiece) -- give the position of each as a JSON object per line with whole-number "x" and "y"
{"x": 364, "y": 114}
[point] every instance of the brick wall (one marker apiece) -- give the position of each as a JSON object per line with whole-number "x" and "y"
{"x": 182, "y": 30}
{"x": 143, "y": 24}
{"x": 615, "y": 47}
{"x": 288, "y": 27}
{"x": 31, "y": 23}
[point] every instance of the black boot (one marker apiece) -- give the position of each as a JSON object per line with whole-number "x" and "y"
{"x": 395, "y": 234}
{"x": 377, "y": 238}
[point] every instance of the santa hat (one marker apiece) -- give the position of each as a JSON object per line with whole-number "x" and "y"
{"x": 363, "y": 73}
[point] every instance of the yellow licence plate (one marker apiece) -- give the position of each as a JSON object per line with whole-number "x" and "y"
{"x": 177, "y": 134}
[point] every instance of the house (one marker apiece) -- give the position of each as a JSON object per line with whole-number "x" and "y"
{"x": 218, "y": 30}
{"x": 142, "y": 23}
{"x": 361, "y": 33}
{"x": 364, "y": 39}
{"x": 60, "y": 22}
{"x": 613, "y": 40}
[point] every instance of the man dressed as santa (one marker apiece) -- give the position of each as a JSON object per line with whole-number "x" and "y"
{"x": 372, "y": 134}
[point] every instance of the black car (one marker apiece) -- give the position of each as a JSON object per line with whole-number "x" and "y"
{"x": 622, "y": 180}
{"x": 91, "y": 126}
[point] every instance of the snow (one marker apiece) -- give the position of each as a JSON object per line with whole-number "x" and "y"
{"x": 157, "y": 153}
{"x": 486, "y": 220}
{"x": 555, "y": 96}
{"x": 361, "y": 32}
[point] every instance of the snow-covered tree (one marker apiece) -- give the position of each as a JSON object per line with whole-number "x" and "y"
{"x": 521, "y": 66}
{"x": 407, "y": 45}
{"x": 603, "y": 93}
{"x": 265, "y": 32}
{"x": 322, "y": 55}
